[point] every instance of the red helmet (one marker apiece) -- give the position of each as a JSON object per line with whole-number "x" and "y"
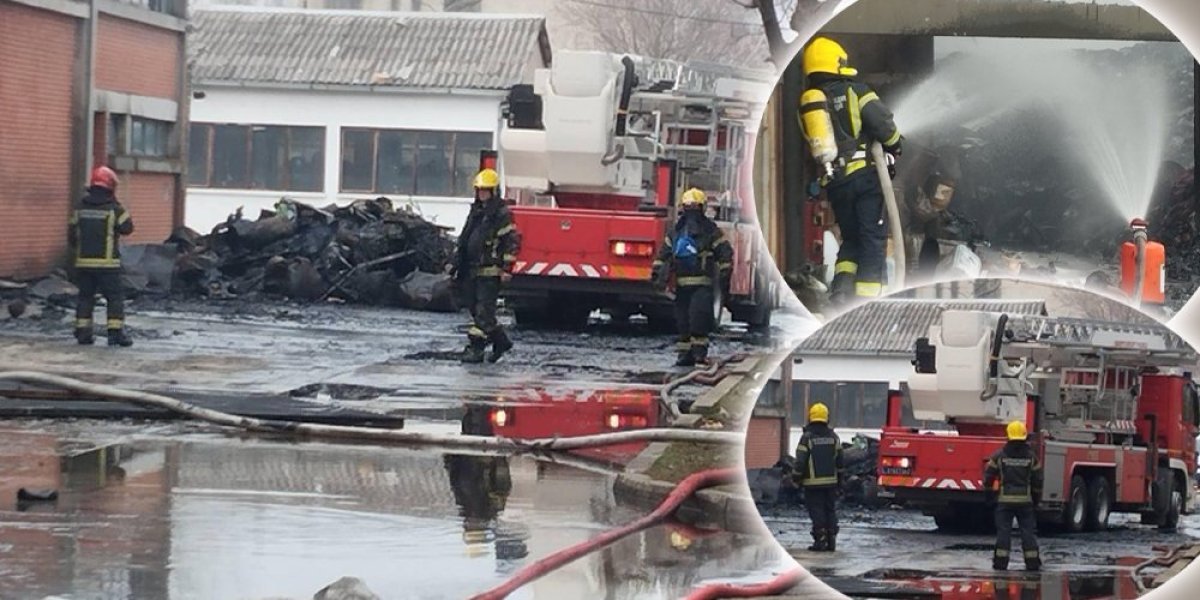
{"x": 104, "y": 177}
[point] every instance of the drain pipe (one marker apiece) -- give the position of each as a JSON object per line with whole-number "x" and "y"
{"x": 107, "y": 392}
{"x": 889, "y": 200}
{"x": 774, "y": 587}
{"x": 665, "y": 510}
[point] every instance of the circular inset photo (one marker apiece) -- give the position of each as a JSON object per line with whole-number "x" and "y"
{"x": 918, "y": 141}
{"x": 977, "y": 437}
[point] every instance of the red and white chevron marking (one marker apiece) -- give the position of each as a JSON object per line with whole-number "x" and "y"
{"x": 560, "y": 269}
{"x": 949, "y": 484}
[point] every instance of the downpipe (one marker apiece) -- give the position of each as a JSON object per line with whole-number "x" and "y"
{"x": 889, "y": 200}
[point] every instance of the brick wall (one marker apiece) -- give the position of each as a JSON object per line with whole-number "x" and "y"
{"x": 35, "y": 158}
{"x": 135, "y": 58}
{"x": 762, "y": 442}
{"x": 150, "y": 199}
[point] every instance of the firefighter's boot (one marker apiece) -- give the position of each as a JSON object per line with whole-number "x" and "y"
{"x": 1000, "y": 564}
{"x": 841, "y": 289}
{"x": 685, "y": 359}
{"x": 473, "y": 353}
{"x": 832, "y": 540}
{"x": 84, "y": 335}
{"x": 118, "y": 337}
{"x": 700, "y": 354}
{"x": 1033, "y": 564}
{"x": 820, "y": 541}
{"x": 500, "y": 344}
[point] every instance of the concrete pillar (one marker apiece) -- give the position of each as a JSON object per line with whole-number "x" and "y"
{"x": 794, "y": 180}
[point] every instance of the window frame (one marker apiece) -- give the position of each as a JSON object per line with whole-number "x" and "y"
{"x": 450, "y": 150}
{"x": 247, "y": 182}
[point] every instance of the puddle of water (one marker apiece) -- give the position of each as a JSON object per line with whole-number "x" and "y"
{"x": 1012, "y": 585}
{"x": 198, "y": 517}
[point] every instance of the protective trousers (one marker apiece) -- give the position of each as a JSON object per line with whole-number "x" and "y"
{"x": 694, "y": 319}
{"x": 858, "y": 207}
{"x": 108, "y": 283}
{"x": 821, "y": 502}
{"x": 1027, "y": 522}
{"x": 481, "y": 295}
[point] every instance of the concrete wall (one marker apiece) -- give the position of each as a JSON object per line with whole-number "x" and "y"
{"x": 207, "y": 207}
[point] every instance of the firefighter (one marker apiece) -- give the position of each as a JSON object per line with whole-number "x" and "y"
{"x": 1013, "y": 477}
{"x": 818, "y": 472}
{"x": 96, "y": 225}
{"x": 696, "y": 251}
{"x": 853, "y": 118}
{"x": 486, "y": 253}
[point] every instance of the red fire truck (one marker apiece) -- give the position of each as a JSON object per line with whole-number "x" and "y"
{"x": 1111, "y": 408}
{"x": 542, "y": 415}
{"x": 593, "y": 156}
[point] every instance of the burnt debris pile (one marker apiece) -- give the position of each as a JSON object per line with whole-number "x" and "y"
{"x": 365, "y": 253}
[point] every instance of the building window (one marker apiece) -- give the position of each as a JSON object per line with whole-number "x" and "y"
{"x": 149, "y": 138}
{"x": 167, "y": 7}
{"x": 410, "y": 162}
{"x": 259, "y": 157}
{"x": 114, "y": 136}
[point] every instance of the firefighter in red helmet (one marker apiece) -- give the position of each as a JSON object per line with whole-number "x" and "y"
{"x": 96, "y": 225}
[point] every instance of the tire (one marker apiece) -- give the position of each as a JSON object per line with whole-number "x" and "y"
{"x": 1099, "y": 500}
{"x": 529, "y": 318}
{"x": 1170, "y": 504}
{"x": 572, "y": 317}
{"x": 1076, "y": 510}
{"x": 661, "y": 321}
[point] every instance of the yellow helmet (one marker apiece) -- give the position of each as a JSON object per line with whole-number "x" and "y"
{"x": 1016, "y": 431}
{"x": 824, "y": 55}
{"x": 818, "y": 413}
{"x": 487, "y": 179}
{"x": 692, "y": 196}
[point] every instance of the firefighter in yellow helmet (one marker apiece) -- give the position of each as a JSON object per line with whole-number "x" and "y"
{"x": 818, "y": 471}
{"x": 841, "y": 118}
{"x": 485, "y": 256}
{"x": 1013, "y": 479}
{"x": 698, "y": 253}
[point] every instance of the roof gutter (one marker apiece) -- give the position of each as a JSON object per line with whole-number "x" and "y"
{"x": 359, "y": 89}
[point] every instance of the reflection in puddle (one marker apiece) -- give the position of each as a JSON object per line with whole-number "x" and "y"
{"x": 204, "y": 518}
{"x": 1013, "y": 585}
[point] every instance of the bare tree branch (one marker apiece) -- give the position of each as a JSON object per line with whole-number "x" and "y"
{"x": 708, "y": 30}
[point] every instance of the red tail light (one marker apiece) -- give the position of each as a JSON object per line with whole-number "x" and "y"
{"x": 623, "y": 248}
{"x": 896, "y": 465}
{"x": 620, "y": 421}
{"x": 501, "y": 417}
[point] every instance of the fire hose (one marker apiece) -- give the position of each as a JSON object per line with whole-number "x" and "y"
{"x": 784, "y": 582}
{"x": 889, "y": 198}
{"x": 112, "y": 393}
{"x": 665, "y": 510}
{"x": 707, "y": 376}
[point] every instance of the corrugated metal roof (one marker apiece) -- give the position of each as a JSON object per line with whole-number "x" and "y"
{"x": 355, "y": 48}
{"x": 891, "y": 326}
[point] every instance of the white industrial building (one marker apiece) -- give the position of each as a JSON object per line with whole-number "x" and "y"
{"x": 327, "y": 107}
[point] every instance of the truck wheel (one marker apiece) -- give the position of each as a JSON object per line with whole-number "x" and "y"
{"x": 1171, "y": 501}
{"x": 1099, "y": 495}
{"x": 1076, "y": 510}
{"x": 662, "y": 321}
{"x": 530, "y": 318}
{"x": 572, "y": 317}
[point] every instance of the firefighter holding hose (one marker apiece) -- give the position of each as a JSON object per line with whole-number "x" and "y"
{"x": 1013, "y": 477}
{"x": 819, "y": 472}
{"x": 698, "y": 253}
{"x": 486, "y": 253}
{"x": 841, "y": 118}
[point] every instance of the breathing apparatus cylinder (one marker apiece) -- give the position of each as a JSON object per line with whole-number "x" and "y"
{"x": 1143, "y": 267}
{"x": 817, "y": 126}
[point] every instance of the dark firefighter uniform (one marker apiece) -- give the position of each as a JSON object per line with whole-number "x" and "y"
{"x": 96, "y": 225}
{"x": 1014, "y": 476}
{"x": 818, "y": 471}
{"x": 859, "y": 118}
{"x": 486, "y": 253}
{"x": 697, "y": 252}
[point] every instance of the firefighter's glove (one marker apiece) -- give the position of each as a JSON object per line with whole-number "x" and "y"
{"x": 814, "y": 189}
